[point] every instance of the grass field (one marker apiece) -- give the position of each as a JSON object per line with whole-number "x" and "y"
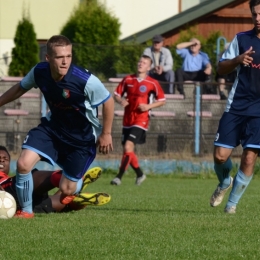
{"x": 168, "y": 217}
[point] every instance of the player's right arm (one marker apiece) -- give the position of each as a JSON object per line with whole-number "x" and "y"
{"x": 119, "y": 94}
{"x": 122, "y": 101}
{"x": 13, "y": 93}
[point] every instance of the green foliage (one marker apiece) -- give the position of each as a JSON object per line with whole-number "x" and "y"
{"x": 25, "y": 54}
{"x": 94, "y": 31}
{"x": 128, "y": 55}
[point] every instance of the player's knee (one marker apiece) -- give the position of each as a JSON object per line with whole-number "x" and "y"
{"x": 23, "y": 166}
{"x": 220, "y": 158}
{"x": 248, "y": 159}
{"x": 221, "y": 155}
{"x": 128, "y": 147}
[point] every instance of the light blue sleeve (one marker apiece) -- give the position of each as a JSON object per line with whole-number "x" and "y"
{"x": 96, "y": 91}
{"x": 182, "y": 52}
{"x": 28, "y": 81}
{"x": 232, "y": 51}
{"x": 205, "y": 59}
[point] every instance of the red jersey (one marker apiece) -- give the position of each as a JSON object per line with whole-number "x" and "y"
{"x": 138, "y": 91}
{"x": 5, "y": 180}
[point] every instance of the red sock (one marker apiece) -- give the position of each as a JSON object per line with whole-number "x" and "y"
{"x": 134, "y": 161}
{"x": 126, "y": 159}
{"x": 55, "y": 178}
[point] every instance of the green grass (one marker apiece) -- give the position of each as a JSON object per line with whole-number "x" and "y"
{"x": 166, "y": 218}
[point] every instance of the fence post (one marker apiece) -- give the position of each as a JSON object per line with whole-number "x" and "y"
{"x": 197, "y": 119}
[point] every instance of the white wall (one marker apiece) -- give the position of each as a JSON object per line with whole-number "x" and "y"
{"x": 137, "y": 15}
{"x": 186, "y": 4}
{"x": 47, "y": 16}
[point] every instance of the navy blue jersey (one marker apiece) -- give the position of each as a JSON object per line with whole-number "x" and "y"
{"x": 73, "y": 101}
{"x": 244, "y": 98}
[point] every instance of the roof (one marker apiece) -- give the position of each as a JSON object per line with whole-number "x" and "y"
{"x": 179, "y": 20}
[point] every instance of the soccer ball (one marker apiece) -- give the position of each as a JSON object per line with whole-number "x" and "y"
{"x": 7, "y": 205}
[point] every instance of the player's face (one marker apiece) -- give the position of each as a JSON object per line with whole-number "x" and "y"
{"x": 60, "y": 61}
{"x": 144, "y": 65}
{"x": 256, "y": 18}
{"x": 4, "y": 162}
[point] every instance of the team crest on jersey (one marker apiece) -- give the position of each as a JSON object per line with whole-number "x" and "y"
{"x": 217, "y": 137}
{"x": 66, "y": 93}
{"x": 142, "y": 88}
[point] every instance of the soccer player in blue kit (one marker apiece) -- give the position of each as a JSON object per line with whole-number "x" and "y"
{"x": 240, "y": 123}
{"x": 70, "y": 133}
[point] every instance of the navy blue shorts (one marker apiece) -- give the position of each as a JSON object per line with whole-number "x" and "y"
{"x": 73, "y": 157}
{"x": 234, "y": 130}
{"x": 134, "y": 134}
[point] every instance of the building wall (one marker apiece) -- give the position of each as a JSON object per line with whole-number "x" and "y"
{"x": 47, "y": 16}
{"x": 229, "y": 21}
{"x": 136, "y": 15}
{"x": 186, "y": 4}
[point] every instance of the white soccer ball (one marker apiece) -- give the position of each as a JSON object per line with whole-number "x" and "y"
{"x": 7, "y": 205}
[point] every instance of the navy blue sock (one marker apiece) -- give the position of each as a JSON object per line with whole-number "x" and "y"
{"x": 240, "y": 184}
{"x": 24, "y": 190}
{"x": 222, "y": 171}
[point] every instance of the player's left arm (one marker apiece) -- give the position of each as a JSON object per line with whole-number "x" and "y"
{"x": 105, "y": 139}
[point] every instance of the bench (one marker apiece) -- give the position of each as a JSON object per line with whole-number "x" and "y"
{"x": 16, "y": 112}
{"x": 210, "y": 97}
{"x": 152, "y": 113}
{"x": 162, "y": 114}
{"x": 202, "y": 114}
{"x": 115, "y": 80}
{"x": 174, "y": 96}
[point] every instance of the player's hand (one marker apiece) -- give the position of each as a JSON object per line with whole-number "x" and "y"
{"x": 246, "y": 58}
{"x": 143, "y": 107}
{"x": 207, "y": 71}
{"x": 104, "y": 143}
{"x": 124, "y": 102}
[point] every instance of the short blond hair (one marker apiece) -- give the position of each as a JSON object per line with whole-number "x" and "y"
{"x": 57, "y": 40}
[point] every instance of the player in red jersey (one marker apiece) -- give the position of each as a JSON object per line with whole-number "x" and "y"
{"x": 47, "y": 180}
{"x": 133, "y": 94}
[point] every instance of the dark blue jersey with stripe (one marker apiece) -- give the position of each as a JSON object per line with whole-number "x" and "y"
{"x": 244, "y": 98}
{"x": 72, "y": 101}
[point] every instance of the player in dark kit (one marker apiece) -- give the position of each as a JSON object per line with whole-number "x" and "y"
{"x": 45, "y": 181}
{"x": 70, "y": 132}
{"x": 240, "y": 123}
{"x": 134, "y": 93}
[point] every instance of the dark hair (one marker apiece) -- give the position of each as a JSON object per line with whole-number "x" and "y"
{"x": 57, "y": 40}
{"x": 3, "y": 148}
{"x": 253, "y": 3}
{"x": 147, "y": 57}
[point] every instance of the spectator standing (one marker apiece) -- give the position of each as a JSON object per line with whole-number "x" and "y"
{"x": 196, "y": 65}
{"x": 133, "y": 94}
{"x": 162, "y": 66}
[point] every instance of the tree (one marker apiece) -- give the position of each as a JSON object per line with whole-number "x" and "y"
{"x": 25, "y": 54}
{"x": 94, "y": 33}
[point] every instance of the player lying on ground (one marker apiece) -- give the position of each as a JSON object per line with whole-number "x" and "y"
{"x": 45, "y": 181}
